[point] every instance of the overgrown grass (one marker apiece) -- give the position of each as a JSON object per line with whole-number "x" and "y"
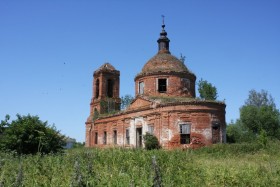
{"x": 219, "y": 165}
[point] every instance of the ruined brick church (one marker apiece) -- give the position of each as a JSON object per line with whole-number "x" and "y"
{"x": 165, "y": 105}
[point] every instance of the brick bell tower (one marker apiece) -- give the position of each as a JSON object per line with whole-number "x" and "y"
{"x": 106, "y": 90}
{"x": 105, "y": 97}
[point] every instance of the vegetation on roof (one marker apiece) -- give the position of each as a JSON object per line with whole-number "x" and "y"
{"x": 174, "y": 99}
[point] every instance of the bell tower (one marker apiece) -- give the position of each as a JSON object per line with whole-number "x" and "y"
{"x": 106, "y": 90}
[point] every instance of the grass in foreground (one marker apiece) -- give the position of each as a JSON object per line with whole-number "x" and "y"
{"x": 219, "y": 165}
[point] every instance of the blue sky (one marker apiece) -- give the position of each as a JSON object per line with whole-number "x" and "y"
{"x": 49, "y": 50}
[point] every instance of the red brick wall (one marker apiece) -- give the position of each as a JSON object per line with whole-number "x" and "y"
{"x": 166, "y": 120}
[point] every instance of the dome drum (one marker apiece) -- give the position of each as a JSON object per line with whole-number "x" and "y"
{"x": 182, "y": 85}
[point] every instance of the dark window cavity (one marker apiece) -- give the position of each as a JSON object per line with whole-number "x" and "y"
{"x": 127, "y": 138}
{"x": 110, "y": 86}
{"x": 105, "y": 138}
{"x": 115, "y": 136}
{"x": 162, "y": 85}
{"x": 96, "y": 138}
{"x": 97, "y": 88}
{"x": 139, "y": 137}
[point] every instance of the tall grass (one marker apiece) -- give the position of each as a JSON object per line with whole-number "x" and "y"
{"x": 219, "y": 165}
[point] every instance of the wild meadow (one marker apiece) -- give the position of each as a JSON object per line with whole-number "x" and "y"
{"x": 219, "y": 165}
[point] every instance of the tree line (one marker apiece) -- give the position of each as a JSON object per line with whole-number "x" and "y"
{"x": 259, "y": 120}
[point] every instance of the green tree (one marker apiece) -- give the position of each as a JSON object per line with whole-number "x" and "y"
{"x": 207, "y": 90}
{"x": 4, "y": 123}
{"x": 29, "y": 135}
{"x": 126, "y": 101}
{"x": 79, "y": 145}
{"x": 236, "y": 133}
{"x": 259, "y": 99}
{"x": 260, "y": 114}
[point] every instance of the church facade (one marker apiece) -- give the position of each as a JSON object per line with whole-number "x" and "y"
{"x": 165, "y": 105}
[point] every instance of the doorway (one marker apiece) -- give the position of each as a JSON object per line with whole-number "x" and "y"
{"x": 215, "y": 133}
{"x": 139, "y": 137}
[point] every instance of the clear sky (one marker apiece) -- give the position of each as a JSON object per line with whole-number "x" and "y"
{"x": 49, "y": 50}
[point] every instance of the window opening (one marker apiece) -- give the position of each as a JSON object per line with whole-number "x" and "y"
{"x": 185, "y": 131}
{"x": 150, "y": 129}
{"x": 96, "y": 138}
{"x": 115, "y": 136}
{"x": 97, "y": 88}
{"x": 186, "y": 83}
{"x": 110, "y": 86}
{"x": 127, "y": 136}
{"x": 105, "y": 138}
{"x": 162, "y": 85}
{"x": 141, "y": 88}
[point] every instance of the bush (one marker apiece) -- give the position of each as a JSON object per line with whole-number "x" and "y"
{"x": 151, "y": 141}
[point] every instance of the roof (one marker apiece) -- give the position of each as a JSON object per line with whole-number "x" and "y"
{"x": 107, "y": 67}
{"x": 162, "y": 101}
{"x": 177, "y": 100}
{"x": 164, "y": 62}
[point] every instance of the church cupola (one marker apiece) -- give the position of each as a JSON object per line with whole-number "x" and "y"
{"x": 164, "y": 74}
{"x": 163, "y": 41}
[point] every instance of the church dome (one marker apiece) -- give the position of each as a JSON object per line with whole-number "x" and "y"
{"x": 164, "y": 74}
{"x": 164, "y": 63}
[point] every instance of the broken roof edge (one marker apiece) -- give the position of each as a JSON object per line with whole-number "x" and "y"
{"x": 156, "y": 103}
{"x": 176, "y": 99}
{"x": 106, "y": 67}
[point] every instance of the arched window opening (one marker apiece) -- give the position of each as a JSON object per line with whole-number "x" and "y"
{"x": 110, "y": 86}
{"x": 97, "y": 88}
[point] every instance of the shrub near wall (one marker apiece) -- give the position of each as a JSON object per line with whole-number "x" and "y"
{"x": 151, "y": 141}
